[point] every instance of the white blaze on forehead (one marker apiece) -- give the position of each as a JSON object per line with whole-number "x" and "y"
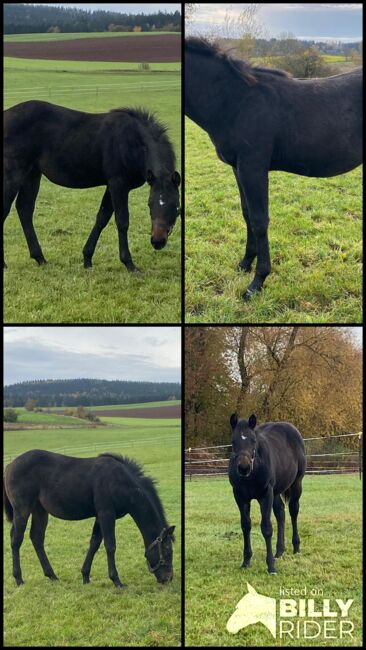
{"x": 243, "y": 437}
{"x": 161, "y": 202}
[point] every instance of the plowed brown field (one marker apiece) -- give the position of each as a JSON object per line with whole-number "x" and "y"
{"x": 149, "y": 413}
{"x": 147, "y": 49}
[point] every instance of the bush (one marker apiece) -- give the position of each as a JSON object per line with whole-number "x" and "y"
{"x": 10, "y": 415}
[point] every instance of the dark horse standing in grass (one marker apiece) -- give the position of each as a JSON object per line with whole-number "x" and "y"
{"x": 267, "y": 461}
{"x": 108, "y": 487}
{"x": 121, "y": 149}
{"x": 261, "y": 120}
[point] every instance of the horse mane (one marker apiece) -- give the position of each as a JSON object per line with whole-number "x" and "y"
{"x": 247, "y": 72}
{"x": 154, "y": 133}
{"x": 147, "y": 483}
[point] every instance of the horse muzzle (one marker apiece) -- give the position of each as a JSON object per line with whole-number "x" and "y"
{"x": 164, "y": 580}
{"x": 158, "y": 244}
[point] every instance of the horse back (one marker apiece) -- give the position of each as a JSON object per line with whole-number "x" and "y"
{"x": 285, "y": 447}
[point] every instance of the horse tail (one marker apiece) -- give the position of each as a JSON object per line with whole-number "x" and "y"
{"x": 7, "y": 506}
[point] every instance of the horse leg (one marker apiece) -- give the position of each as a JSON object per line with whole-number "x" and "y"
{"x": 107, "y": 522}
{"x": 95, "y": 542}
{"x": 25, "y": 203}
{"x": 119, "y": 195}
{"x": 294, "y": 506}
{"x": 10, "y": 192}
{"x": 246, "y": 526}
{"x": 266, "y": 504}
{"x": 37, "y": 535}
{"x": 16, "y": 538}
{"x": 279, "y": 512}
{"x": 254, "y": 184}
{"x": 251, "y": 245}
{"x": 104, "y": 214}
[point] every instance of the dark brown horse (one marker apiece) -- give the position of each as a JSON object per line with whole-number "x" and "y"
{"x": 261, "y": 120}
{"x": 121, "y": 149}
{"x": 267, "y": 461}
{"x": 108, "y": 487}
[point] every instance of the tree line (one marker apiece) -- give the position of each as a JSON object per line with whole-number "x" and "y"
{"x": 88, "y": 392}
{"x": 38, "y": 19}
{"x": 310, "y": 376}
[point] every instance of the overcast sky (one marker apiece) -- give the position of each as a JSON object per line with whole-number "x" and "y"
{"x": 129, "y": 8}
{"x": 321, "y": 21}
{"x": 130, "y": 353}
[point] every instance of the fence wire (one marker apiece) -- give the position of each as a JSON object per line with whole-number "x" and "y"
{"x": 339, "y": 454}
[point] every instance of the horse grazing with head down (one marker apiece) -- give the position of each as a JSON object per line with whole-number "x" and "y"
{"x": 122, "y": 149}
{"x": 108, "y": 487}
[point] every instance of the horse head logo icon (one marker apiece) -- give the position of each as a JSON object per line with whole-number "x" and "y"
{"x": 253, "y": 608}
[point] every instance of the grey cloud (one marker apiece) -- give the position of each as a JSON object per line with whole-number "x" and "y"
{"x": 31, "y": 359}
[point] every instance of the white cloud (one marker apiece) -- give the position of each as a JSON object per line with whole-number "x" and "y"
{"x": 146, "y": 353}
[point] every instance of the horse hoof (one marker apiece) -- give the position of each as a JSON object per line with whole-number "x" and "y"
{"x": 121, "y": 586}
{"x": 272, "y": 573}
{"x": 248, "y": 295}
{"x": 52, "y": 577}
{"x": 88, "y": 264}
{"x": 245, "y": 268}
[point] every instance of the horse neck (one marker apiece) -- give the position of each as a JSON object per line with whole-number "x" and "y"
{"x": 207, "y": 107}
{"x": 146, "y": 517}
{"x": 159, "y": 157}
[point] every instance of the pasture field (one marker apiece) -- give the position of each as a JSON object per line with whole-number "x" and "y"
{"x": 315, "y": 237}
{"x": 63, "y": 291}
{"x": 68, "y": 613}
{"x": 34, "y": 417}
{"x": 37, "y": 38}
{"x": 330, "y": 529}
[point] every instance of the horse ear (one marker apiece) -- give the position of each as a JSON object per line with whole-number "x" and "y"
{"x": 169, "y": 533}
{"x": 252, "y": 421}
{"x": 150, "y": 177}
{"x": 234, "y": 420}
{"x": 176, "y": 179}
{"x": 170, "y": 530}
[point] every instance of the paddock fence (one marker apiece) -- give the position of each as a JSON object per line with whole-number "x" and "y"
{"x": 49, "y": 92}
{"x": 339, "y": 454}
{"x": 100, "y": 447}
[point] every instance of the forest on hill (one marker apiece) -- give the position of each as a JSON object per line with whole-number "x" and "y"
{"x": 38, "y": 19}
{"x": 89, "y": 392}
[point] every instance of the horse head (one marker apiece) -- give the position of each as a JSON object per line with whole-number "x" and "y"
{"x": 164, "y": 206}
{"x": 244, "y": 442}
{"x": 159, "y": 555}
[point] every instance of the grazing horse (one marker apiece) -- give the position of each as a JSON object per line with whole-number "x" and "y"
{"x": 107, "y": 487}
{"x": 267, "y": 461}
{"x": 121, "y": 149}
{"x": 260, "y": 120}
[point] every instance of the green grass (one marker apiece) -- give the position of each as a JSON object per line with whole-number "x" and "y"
{"x": 330, "y": 528}
{"x": 47, "y": 418}
{"x": 36, "y": 38}
{"x": 63, "y": 291}
{"x": 42, "y": 613}
{"x": 87, "y": 68}
{"x": 315, "y": 241}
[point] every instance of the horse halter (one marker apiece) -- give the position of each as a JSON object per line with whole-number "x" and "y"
{"x": 161, "y": 562}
